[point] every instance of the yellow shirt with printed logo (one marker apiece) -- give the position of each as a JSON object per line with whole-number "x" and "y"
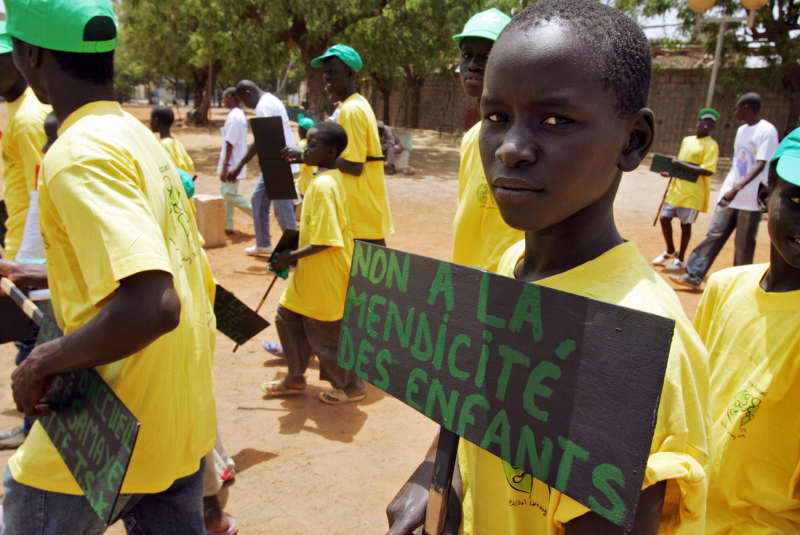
{"x": 704, "y": 152}
{"x": 501, "y": 499}
{"x": 22, "y": 144}
{"x": 318, "y": 286}
{"x": 368, "y": 203}
{"x": 753, "y": 340}
{"x": 480, "y": 236}
{"x": 112, "y": 206}
{"x": 178, "y": 153}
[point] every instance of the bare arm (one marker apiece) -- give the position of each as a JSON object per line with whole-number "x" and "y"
{"x": 726, "y": 199}
{"x": 648, "y": 517}
{"x": 691, "y": 167}
{"x": 224, "y": 176}
{"x": 351, "y": 168}
{"x": 251, "y": 151}
{"x": 284, "y": 260}
{"x": 144, "y": 307}
{"x": 25, "y": 276}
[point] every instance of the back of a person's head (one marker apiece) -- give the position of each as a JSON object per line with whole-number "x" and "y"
{"x": 230, "y": 92}
{"x": 164, "y": 115}
{"x": 612, "y": 43}
{"x": 331, "y": 134}
{"x": 752, "y": 100}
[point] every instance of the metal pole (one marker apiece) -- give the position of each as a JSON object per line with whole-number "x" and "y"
{"x": 715, "y": 67}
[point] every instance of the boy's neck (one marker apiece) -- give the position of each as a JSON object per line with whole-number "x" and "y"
{"x": 580, "y": 238}
{"x": 164, "y": 132}
{"x": 16, "y": 90}
{"x": 80, "y": 94}
{"x": 780, "y": 277}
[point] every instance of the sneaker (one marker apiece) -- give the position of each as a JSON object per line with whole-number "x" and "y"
{"x": 12, "y": 438}
{"x": 255, "y": 250}
{"x": 661, "y": 259}
{"x": 685, "y": 281}
{"x": 675, "y": 265}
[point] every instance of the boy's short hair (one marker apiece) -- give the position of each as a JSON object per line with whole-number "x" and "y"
{"x": 610, "y": 39}
{"x": 231, "y": 92}
{"x": 331, "y": 134}
{"x": 96, "y": 68}
{"x": 164, "y": 114}
{"x": 752, "y": 100}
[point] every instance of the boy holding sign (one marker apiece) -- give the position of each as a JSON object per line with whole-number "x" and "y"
{"x": 309, "y": 315}
{"x": 749, "y": 319}
{"x": 564, "y": 115}
{"x": 129, "y": 283}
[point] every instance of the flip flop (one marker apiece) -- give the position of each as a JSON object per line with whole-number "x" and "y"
{"x": 279, "y": 388}
{"x": 338, "y": 397}
{"x": 273, "y": 348}
{"x": 232, "y": 528}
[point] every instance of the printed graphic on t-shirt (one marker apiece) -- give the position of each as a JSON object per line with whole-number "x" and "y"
{"x": 742, "y": 410}
{"x": 530, "y": 492}
{"x": 484, "y": 195}
{"x": 744, "y": 160}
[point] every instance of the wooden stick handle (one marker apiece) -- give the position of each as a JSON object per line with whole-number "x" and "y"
{"x": 22, "y": 301}
{"x": 443, "y": 467}
{"x": 663, "y": 198}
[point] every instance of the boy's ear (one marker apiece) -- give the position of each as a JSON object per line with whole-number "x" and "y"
{"x": 642, "y": 131}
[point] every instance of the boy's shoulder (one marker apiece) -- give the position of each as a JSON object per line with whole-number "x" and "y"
{"x": 326, "y": 182}
{"x": 735, "y": 279}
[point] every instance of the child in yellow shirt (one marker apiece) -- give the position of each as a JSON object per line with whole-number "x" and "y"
{"x": 749, "y": 319}
{"x": 564, "y": 114}
{"x": 310, "y": 311}
{"x": 161, "y": 119}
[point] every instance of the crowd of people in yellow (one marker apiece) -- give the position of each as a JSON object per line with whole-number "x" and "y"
{"x": 562, "y": 87}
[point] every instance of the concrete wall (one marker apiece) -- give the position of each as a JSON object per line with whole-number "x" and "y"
{"x": 676, "y": 95}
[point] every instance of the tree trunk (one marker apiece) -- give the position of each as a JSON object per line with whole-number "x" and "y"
{"x": 416, "y": 95}
{"x": 791, "y": 84}
{"x": 203, "y": 92}
{"x": 385, "y": 95}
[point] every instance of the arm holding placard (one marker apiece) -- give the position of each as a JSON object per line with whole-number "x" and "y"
{"x": 144, "y": 307}
{"x": 284, "y": 259}
{"x": 691, "y": 167}
{"x": 27, "y": 276}
{"x": 406, "y": 511}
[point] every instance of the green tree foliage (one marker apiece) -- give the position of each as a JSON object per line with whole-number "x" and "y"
{"x": 773, "y": 37}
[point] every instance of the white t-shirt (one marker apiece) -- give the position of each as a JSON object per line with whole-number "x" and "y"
{"x": 270, "y": 106}
{"x": 753, "y": 143}
{"x": 234, "y": 131}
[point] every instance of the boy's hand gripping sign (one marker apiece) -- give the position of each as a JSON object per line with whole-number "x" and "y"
{"x": 563, "y": 387}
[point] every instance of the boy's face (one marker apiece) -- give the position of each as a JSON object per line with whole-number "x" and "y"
{"x": 472, "y": 64}
{"x": 552, "y": 139}
{"x": 228, "y": 101}
{"x": 317, "y": 152}
{"x": 784, "y": 220}
{"x": 337, "y": 76}
{"x": 26, "y": 57}
{"x": 8, "y": 73}
{"x": 154, "y": 123}
{"x": 705, "y": 126}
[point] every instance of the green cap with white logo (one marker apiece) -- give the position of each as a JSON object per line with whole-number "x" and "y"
{"x": 84, "y": 26}
{"x": 788, "y": 157}
{"x": 486, "y": 25}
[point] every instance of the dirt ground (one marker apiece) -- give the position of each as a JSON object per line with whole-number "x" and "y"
{"x": 307, "y": 468}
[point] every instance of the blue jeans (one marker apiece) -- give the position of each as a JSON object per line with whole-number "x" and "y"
{"x": 24, "y": 348}
{"x": 723, "y": 223}
{"x": 177, "y": 510}
{"x": 284, "y": 213}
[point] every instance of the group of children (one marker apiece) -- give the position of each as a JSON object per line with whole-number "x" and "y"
{"x": 563, "y": 97}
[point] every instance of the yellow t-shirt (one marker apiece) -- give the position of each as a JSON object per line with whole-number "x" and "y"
{"x": 22, "y": 143}
{"x": 112, "y": 206}
{"x": 704, "y": 152}
{"x": 753, "y": 341}
{"x": 498, "y": 499}
{"x": 480, "y": 236}
{"x": 318, "y": 286}
{"x": 306, "y": 173}
{"x": 368, "y": 204}
{"x": 178, "y": 153}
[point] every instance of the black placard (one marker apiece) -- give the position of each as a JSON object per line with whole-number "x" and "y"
{"x": 3, "y": 218}
{"x": 664, "y": 163}
{"x": 235, "y": 319}
{"x": 563, "y": 387}
{"x": 269, "y": 139}
{"x": 14, "y": 324}
{"x": 92, "y": 429}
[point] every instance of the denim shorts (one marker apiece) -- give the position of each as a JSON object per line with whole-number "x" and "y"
{"x": 177, "y": 510}
{"x": 687, "y": 215}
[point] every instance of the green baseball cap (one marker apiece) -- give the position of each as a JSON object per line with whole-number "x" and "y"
{"x": 708, "y": 113}
{"x": 486, "y": 25}
{"x": 84, "y": 26}
{"x": 6, "y": 45}
{"x": 305, "y": 122}
{"x": 788, "y": 158}
{"x": 348, "y": 55}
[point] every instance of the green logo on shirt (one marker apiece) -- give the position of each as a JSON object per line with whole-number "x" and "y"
{"x": 742, "y": 410}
